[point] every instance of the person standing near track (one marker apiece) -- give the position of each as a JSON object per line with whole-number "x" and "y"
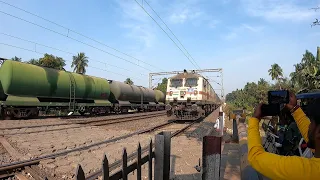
{"x": 276, "y": 166}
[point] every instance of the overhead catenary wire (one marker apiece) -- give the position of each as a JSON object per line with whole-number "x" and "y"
{"x": 74, "y": 39}
{"x": 70, "y": 30}
{"x": 60, "y": 50}
{"x": 30, "y": 50}
{"x": 195, "y": 63}
{"x": 153, "y": 86}
{"x": 165, "y": 32}
{"x": 172, "y": 33}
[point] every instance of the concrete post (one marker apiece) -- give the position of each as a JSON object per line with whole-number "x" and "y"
{"x": 221, "y": 121}
{"x": 211, "y": 155}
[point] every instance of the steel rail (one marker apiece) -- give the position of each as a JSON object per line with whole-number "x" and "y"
{"x": 133, "y": 156}
{"x": 85, "y": 122}
{"x": 135, "y": 118}
{"x": 7, "y": 168}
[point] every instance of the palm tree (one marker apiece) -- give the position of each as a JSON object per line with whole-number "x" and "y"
{"x": 262, "y": 82}
{"x": 275, "y": 72}
{"x": 307, "y": 73}
{"x": 128, "y": 81}
{"x": 80, "y": 62}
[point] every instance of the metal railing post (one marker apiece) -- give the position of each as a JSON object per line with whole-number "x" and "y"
{"x": 235, "y": 136}
{"x": 150, "y": 160}
{"x": 105, "y": 168}
{"x": 124, "y": 164}
{"x": 80, "y": 173}
{"x": 167, "y": 152}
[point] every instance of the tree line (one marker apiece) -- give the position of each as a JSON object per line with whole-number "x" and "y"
{"x": 79, "y": 62}
{"x": 305, "y": 78}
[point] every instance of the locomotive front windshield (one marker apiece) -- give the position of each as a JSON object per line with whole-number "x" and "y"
{"x": 176, "y": 83}
{"x": 190, "y": 82}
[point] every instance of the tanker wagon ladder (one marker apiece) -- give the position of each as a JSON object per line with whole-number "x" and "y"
{"x": 72, "y": 101}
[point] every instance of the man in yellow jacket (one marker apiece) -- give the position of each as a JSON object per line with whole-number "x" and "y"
{"x": 277, "y": 167}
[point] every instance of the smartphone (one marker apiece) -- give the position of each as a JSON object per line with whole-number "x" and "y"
{"x": 270, "y": 109}
{"x": 278, "y": 97}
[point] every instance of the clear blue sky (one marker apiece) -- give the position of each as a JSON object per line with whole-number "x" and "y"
{"x": 244, "y": 37}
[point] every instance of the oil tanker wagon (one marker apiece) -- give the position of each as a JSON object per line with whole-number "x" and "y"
{"x": 131, "y": 97}
{"x": 26, "y": 89}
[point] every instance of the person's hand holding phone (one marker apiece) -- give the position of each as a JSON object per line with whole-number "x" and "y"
{"x": 292, "y": 101}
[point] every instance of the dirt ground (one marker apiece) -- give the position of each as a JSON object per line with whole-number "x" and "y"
{"x": 30, "y": 145}
{"x": 186, "y": 149}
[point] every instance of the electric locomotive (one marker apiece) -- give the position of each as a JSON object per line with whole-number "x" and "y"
{"x": 190, "y": 96}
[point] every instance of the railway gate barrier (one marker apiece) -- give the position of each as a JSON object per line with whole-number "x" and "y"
{"x": 159, "y": 151}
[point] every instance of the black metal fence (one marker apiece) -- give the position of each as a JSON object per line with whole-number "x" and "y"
{"x": 159, "y": 152}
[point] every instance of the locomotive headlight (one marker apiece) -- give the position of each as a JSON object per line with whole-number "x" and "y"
{"x": 195, "y": 92}
{"x": 171, "y": 93}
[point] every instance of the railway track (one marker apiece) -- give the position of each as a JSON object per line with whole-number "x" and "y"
{"x": 15, "y": 168}
{"x": 76, "y": 116}
{"x": 133, "y": 156}
{"x": 83, "y": 123}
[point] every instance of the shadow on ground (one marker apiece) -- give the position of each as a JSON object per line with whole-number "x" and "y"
{"x": 230, "y": 162}
{"x": 229, "y": 170}
{"x": 203, "y": 128}
{"x": 174, "y": 176}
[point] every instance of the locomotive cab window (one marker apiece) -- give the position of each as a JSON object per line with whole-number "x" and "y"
{"x": 176, "y": 83}
{"x": 191, "y": 82}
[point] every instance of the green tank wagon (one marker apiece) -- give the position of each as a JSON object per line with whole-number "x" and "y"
{"x": 160, "y": 97}
{"x": 128, "y": 97}
{"x": 26, "y": 89}
{"x": 124, "y": 93}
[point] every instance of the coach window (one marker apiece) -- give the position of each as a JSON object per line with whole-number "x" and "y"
{"x": 176, "y": 83}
